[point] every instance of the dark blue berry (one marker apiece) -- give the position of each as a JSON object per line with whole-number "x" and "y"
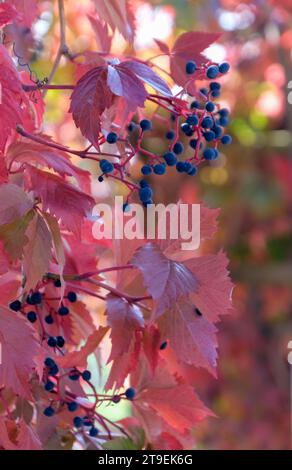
{"x": 224, "y": 67}
{"x": 170, "y": 158}
{"x": 15, "y": 305}
{"x": 57, "y": 283}
{"x": 195, "y": 105}
{"x": 86, "y": 375}
{"x": 36, "y": 298}
{"x": 49, "y": 411}
{"x": 93, "y": 432}
{"x": 126, "y": 207}
{"x": 163, "y": 346}
{"x": 63, "y": 311}
{"x": 193, "y": 171}
{"x": 145, "y": 194}
{"x": 49, "y": 386}
{"x": 204, "y": 91}
{"x": 209, "y": 136}
{"x": 207, "y": 122}
{"x": 144, "y": 184}
{"x": 111, "y": 138}
{"x": 145, "y": 125}
{"x": 130, "y": 393}
{"x": 193, "y": 143}
{"x": 100, "y": 179}
{"x": 178, "y": 148}
{"x": 170, "y": 135}
{"x": 215, "y": 93}
{"x": 49, "y": 362}
{"x": 190, "y": 67}
{"x": 187, "y": 167}
{"x": 159, "y": 169}
{"x": 212, "y": 71}
{"x": 60, "y": 341}
{"x": 180, "y": 167}
{"x": 215, "y": 86}
{"x": 72, "y": 296}
{"x": 223, "y": 121}
{"x": 218, "y": 131}
{"x": 106, "y": 166}
{"x": 131, "y": 127}
{"x": 210, "y": 107}
{"x": 72, "y": 406}
{"x": 146, "y": 170}
{"x": 32, "y": 317}
{"x": 226, "y": 139}
{"x": 54, "y": 370}
{"x": 49, "y": 319}
{"x": 192, "y": 120}
{"x": 209, "y": 154}
{"x": 185, "y": 127}
{"x": 74, "y": 375}
{"x": 224, "y": 112}
{"x": 52, "y": 342}
{"x": 77, "y": 421}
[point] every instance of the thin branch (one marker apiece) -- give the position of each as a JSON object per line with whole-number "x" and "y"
{"x": 63, "y": 49}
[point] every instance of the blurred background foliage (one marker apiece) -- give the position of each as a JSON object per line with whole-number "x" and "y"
{"x": 251, "y": 183}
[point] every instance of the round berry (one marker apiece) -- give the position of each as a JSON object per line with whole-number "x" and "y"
{"x": 223, "y": 121}
{"x": 111, "y": 138}
{"x": 218, "y": 131}
{"x": 146, "y": 170}
{"x": 100, "y": 179}
{"x": 77, "y": 421}
{"x": 185, "y": 127}
{"x": 170, "y": 135}
{"x": 32, "y": 317}
{"x": 145, "y": 125}
{"x": 57, "y": 283}
{"x": 210, "y": 107}
{"x": 187, "y": 166}
{"x": 193, "y": 143}
{"x": 49, "y": 386}
{"x": 145, "y": 194}
{"x": 195, "y": 105}
{"x": 106, "y": 166}
{"x": 192, "y": 120}
{"x": 180, "y": 167}
{"x": 63, "y": 311}
{"x": 215, "y": 86}
{"x": 159, "y": 169}
{"x": 49, "y": 319}
{"x": 193, "y": 171}
{"x": 74, "y": 375}
{"x": 54, "y": 370}
{"x": 15, "y": 305}
{"x": 144, "y": 184}
{"x": 52, "y": 342}
{"x": 207, "y": 122}
{"x": 49, "y": 362}
{"x": 209, "y": 154}
{"x": 60, "y": 341}
{"x": 209, "y": 136}
{"x": 204, "y": 91}
{"x": 36, "y": 298}
{"x": 86, "y": 375}
{"x": 170, "y": 158}
{"x": 131, "y": 126}
{"x": 226, "y": 139}
{"x": 178, "y": 148}
{"x": 71, "y": 296}
{"x": 130, "y": 393}
{"x": 49, "y": 411}
{"x": 190, "y": 67}
{"x": 215, "y": 93}
{"x": 212, "y": 71}
{"x": 224, "y": 67}
{"x": 224, "y": 112}
{"x": 163, "y": 346}
{"x": 72, "y": 406}
{"x": 93, "y": 432}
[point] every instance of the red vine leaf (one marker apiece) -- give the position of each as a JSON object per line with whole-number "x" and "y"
{"x": 14, "y": 203}
{"x": 118, "y": 14}
{"x": 8, "y": 14}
